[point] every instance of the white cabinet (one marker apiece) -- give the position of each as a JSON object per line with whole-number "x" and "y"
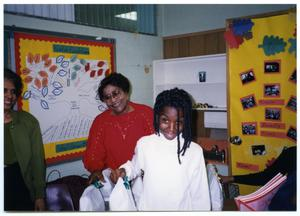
{"x": 215, "y": 119}
{"x": 184, "y": 73}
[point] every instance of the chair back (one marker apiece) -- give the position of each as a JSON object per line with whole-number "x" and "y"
{"x": 63, "y": 194}
{"x": 58, "y": 198}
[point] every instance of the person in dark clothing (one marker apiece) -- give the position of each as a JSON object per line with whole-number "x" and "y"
{"x": 24, "y": 157}
{"x": 285, "y": 198}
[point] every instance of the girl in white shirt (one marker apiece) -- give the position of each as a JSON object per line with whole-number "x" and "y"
{"x": 173, "y": 167}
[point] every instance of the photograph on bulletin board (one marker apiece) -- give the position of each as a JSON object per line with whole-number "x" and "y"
{"x": 247, "y": 77}
{"x": 272, "y": 90}
{"x": 61, "y": 77}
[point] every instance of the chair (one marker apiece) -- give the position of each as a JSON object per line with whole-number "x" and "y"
{"x": 58, "y": 198}
{"x": 64, "y": 193}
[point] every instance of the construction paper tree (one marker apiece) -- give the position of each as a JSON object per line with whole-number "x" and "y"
{"x": 272, "y": 45}
{"x": 232, "y": 40}
{"x": 241, "y": 27}
{"x": 293, "y": 46}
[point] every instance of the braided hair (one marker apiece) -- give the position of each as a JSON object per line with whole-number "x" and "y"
{"x": 179, "y": 99}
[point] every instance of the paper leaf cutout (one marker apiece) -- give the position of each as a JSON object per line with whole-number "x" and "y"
{"x": 83, "y": 61}
{"x": 44, "y": 91}
{"x": 65, "y": 64}
{"x": 293, "y": 46}
{"x": 87, "y": 66}
{"x": 76, "y": 67}
{"x": 101, "y": 108}
{"x": 107, "y": 72}
{"x": 272, "y": 45}
{"x": 26, "y": 95}
{"x": 242, "y": 26}
{"x": 56, "y": 84}
{"x": 59, "y": 59}
{"x": 62, "y": 73}
{"x": 100, "y": 63}
{"x": 44, "y": 104}
{"x": 232, "y": 40}
{"x": 73, "y": 58}
{"x": 73, "y": 75}
{"x": 57, "y": 91}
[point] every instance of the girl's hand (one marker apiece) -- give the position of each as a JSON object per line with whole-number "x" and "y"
{"x": 39, "y": 205}
{"x": 95, "y": 176}
{"x": 115, "y": 174}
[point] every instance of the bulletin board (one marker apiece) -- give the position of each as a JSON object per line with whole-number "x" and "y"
{"x": 261, "y": 54}
{"x": 61, "y": 77}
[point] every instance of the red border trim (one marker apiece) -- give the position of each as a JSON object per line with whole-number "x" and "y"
{"x": 64, "y": 158}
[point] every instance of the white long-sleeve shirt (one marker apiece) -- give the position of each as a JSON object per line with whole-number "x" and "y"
{"x": 168, "y": 185}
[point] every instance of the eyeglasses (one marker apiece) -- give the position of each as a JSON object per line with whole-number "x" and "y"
{"x": 113, "y": 95}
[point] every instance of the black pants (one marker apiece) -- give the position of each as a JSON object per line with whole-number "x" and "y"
{"x": 16, "y": 194}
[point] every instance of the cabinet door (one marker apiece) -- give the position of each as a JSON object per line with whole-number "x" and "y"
{"x": 262, "y": 92}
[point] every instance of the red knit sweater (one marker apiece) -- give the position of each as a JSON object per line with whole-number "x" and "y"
{"x": 112, "y": 139}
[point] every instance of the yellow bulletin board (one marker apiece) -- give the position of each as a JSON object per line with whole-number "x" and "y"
{"x": 262, "y": 109}
{"x": 61, "y": 77}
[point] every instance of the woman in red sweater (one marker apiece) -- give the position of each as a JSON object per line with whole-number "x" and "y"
{"x": 114, "y": 133}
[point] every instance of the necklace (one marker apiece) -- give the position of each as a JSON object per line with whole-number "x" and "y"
{"x": 123, "y": 132}
{"x": 123, "y": 126}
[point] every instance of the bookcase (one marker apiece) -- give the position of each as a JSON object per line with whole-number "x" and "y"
{"x": 186, "y": 73}
{"x": 204, "y": 78}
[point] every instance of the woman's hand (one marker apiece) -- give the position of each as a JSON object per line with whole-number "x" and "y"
{"x": 95, "y": 176}
{"x": 39, "y": 204}
{"x": 226, "y": 179}
{"x": 115, "y": 174}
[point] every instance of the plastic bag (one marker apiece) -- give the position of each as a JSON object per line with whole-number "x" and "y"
{"x": 215, "y": 188}
{"x": 121, "y": 198}
{"x": 95, "y": 195}
{"x": 108, "y": 185}
{"x": 137, "y": 187}
{"x": 91, "y": 200}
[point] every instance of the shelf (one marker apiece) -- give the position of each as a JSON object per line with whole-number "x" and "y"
{"x": 215, "y": 119}
{"x": 221, "y": 109}
{"x": 213, "y": 94}
{"x": 183, "y": 73}
{"x": 191, "y": 84}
